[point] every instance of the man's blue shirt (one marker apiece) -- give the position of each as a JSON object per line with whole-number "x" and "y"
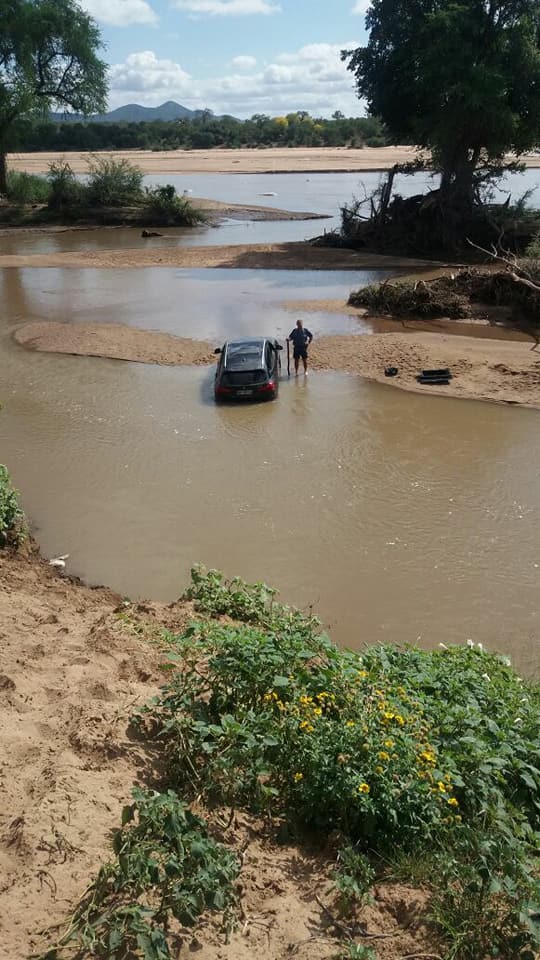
{"x": 301, "y": 337}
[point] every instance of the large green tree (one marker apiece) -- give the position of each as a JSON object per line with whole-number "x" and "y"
{"x": 48, "y": 58}
{"x": 460, "y": 78}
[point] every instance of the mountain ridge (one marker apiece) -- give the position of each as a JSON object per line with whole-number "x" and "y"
{"x": 133, "y": 113}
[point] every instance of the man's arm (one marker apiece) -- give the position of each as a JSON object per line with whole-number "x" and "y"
{"x": 309, "y": 334}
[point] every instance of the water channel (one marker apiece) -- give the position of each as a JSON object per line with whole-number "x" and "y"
{"x": 397, "y": 517}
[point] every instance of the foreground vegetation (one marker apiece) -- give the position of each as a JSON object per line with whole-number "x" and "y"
{"x": 113, "y": 192}
{"x": 426, "y": 763}
{"x": 11, "y": 516}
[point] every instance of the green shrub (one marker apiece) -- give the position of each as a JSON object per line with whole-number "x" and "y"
{"x": 65, "y": 189}
{"x": 402, "y": 750}
{"x": 532, "y": 251}
{"x": 167, "y": 208}
{"x": 354, "y": 878}
{"x": 114, "y": 183}
{"x": 166, "y": 867}
{"x": 24, "y": 188}
{"x": 11, "y": 515}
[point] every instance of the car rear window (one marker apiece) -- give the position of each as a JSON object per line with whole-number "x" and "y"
{"x": 242, "y": 354}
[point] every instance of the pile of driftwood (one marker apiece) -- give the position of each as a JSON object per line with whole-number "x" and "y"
{"x": 508, "y": 297}
{"x": 432, "y": 224}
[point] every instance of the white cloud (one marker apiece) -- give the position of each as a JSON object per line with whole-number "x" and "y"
{"x": 149, "y": 79}
{"x": 227, "y": 8}
{"x": 244, "y": 62}
{"x": 313, "y": 78}
{"x": 120, "y": 13}
{"x": 361, "y": 6}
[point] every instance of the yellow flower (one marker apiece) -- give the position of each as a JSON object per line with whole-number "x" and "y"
{"x": 364, "y": 788}
{"x": 379, "y": 769}
{"x": 298, "y": 776}
{"x": 399, "y": 719}
{"x": 448, "y": 778}
{"x": 317, "y": 711}
{"x": 441, "y": 786}
{"x": 453, "y": 802}
{"x": 321, "y": 696}
{"x": 428, "y": 756}
{"x": 383, "y": 755}
{"x": 378, "y": 693}
{"x": 361, "y": 675}
{"x": 389, "y": 744}
{"x": 388, "y": 715}
{"x": 306, "y": 726}
{"x": 350, "y": 723}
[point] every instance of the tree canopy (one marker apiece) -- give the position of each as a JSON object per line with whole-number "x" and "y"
{"x": 458, "y": 77}
{"x": 48, "y": 57}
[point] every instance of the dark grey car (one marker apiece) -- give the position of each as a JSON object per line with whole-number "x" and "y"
{"x": 248, "y": 369}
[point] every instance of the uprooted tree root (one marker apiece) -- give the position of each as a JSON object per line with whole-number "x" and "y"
{"x": 457, "y": 296}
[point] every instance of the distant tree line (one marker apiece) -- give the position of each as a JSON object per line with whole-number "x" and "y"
{"x": 203, "y": 132}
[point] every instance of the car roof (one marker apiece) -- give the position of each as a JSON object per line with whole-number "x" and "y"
{"x": 238, "y": 351}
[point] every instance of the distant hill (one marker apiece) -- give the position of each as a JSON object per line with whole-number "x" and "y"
{"x": 132, "y": 113}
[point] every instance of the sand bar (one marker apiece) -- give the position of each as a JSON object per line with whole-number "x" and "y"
{"x": 113, "y": 340}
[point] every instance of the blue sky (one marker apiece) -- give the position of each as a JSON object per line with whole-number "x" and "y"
{"x": 232, "y": 56}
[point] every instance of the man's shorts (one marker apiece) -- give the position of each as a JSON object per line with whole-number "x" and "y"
{"x": 300, "y": 353}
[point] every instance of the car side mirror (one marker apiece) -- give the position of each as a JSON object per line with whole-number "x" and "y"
{"x": 278, "y": 346}
{"x": 217, "y": 350}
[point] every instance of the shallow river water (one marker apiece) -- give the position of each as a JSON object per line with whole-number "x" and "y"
{"x": 397, "y": 517}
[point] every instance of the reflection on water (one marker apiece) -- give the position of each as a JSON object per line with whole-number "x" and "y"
{"x": 397, "y": 517}
{"x": 202, "y": 304}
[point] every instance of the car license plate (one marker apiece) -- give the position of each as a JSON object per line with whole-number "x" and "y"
{"x": 245, "y": 393}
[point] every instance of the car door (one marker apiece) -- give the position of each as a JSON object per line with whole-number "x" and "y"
{"x": 270, "y": 359}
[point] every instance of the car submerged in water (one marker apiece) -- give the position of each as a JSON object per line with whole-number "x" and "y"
{"x": 248, "y": 369}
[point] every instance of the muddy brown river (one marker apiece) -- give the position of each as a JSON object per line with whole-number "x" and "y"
{"x": 396, "y": 517}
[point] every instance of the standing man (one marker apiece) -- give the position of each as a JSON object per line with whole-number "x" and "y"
{"x": 301, "y": 338}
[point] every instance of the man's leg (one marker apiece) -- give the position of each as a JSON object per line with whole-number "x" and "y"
{"x": 304, "y": 361}
{"x": 296, "y": 361}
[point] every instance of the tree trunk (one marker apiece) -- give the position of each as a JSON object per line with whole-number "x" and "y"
{"x": 457, "y": 180}
{"x": 3, "y": 173}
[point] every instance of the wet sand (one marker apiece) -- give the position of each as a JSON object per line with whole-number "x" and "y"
{"x": 113, "y": 340}
{"x": 257, "y": 256}
{"x": 263, "y": 160}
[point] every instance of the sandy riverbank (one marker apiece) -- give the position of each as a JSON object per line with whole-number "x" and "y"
{"x": 76, "y": 664}
{"x": 268, "y": 160}
{"x": 504, "y": 370}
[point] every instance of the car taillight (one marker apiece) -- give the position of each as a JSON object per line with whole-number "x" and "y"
{"x": 223, "y": 390}
{"x": 269, "y": 386}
